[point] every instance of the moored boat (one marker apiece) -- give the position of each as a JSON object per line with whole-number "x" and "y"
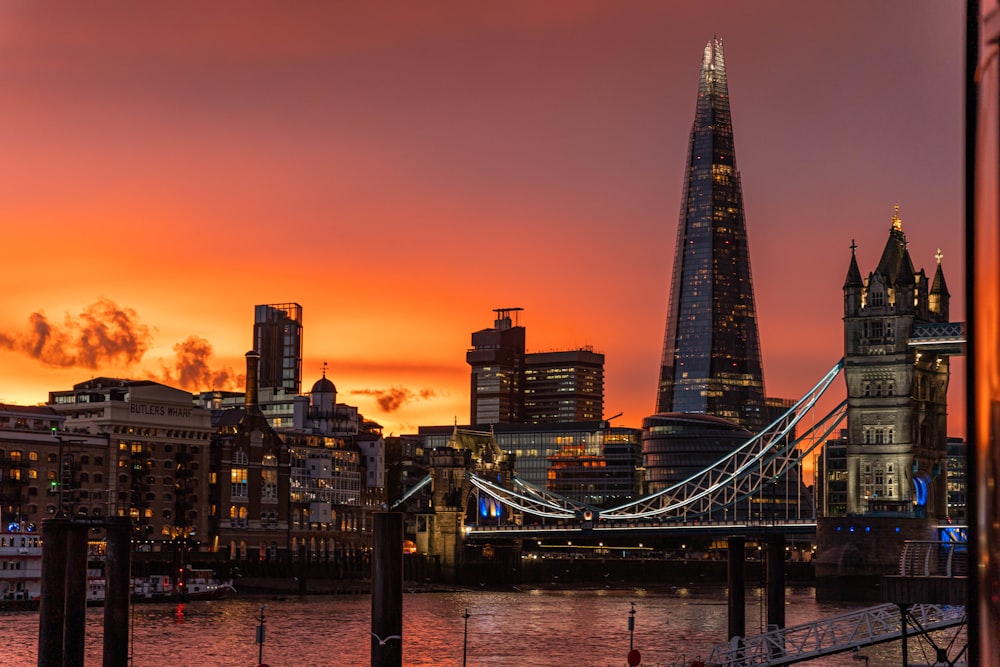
{"x": 20, "y": 569}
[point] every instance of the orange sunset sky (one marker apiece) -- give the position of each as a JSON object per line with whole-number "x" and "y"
{"x": 402, "y": 168}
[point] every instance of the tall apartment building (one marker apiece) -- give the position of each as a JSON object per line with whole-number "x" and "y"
{"x": 512, "y": 386}
{"x": 277, "y": 337}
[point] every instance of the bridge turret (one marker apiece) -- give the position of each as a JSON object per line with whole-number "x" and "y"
{"x": 853, "y": 286}
{"x": 443, "y": 530}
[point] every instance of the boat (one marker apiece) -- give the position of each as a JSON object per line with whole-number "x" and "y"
{"x": 20, "y": 569}
{"x": 21, "y": 578}
{"x": 196, "y": 584}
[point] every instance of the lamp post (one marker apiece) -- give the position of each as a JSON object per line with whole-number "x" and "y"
{"x": 465, "y": 638}
{"x": 631, "y": 626}
{"x": 260, "y": 636}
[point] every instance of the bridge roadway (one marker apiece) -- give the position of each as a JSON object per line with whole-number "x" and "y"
{"x": 639, "y": 529}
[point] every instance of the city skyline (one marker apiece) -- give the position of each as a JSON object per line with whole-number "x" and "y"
{"x": 401, "y": 173}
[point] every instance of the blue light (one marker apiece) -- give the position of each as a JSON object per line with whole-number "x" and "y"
{"x": 897, "y": 529}
{"x": 838, "y": 529}
{"x": 851, "y": 529}
{"x": 920, "y": 486}
{"x": 868, "y": 529}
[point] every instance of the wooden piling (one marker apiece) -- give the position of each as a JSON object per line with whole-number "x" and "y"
{"x": 75, "y": 619}
{"x": 776, "y": 580}
{"x": 387, "y": 591}
{"x": 737, "y": 587}
{"x": 52, "y": 602}
{"x": 117, "y": 565}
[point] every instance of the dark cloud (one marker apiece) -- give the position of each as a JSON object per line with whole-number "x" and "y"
{"x": 103, "y": 333}
{"x": 393, "y": 398}
{"x": 193, "y": 371}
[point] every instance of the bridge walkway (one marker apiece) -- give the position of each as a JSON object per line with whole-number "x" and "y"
{"x": 847, "y": 632}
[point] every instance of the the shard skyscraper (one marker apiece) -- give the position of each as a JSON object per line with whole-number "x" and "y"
{"x": 711, "y": 354}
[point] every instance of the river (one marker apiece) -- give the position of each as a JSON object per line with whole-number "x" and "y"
{"x": 529, "y": 628}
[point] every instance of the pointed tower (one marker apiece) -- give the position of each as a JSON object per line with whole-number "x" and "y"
{"x": 897, "y": 385}
{"x": 711, "y": 353}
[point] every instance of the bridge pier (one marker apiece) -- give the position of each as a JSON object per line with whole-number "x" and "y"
{"x": 775, "y": 581}
{"x": 853, "y": 553}
{"x": 737, "y": 587}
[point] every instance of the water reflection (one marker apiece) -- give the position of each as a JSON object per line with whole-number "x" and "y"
{"x": 530, "y": 628}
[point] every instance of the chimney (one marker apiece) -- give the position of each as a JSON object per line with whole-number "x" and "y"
{"x": 253, "y": 360}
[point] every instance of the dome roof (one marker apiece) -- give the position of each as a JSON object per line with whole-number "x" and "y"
{"x": 323, "y": 385}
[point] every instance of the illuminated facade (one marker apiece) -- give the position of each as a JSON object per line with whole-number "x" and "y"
{"x": 711, "y": 355}
{"x": 565, "y": 386}
{"x": 30, "y": 471}
{"x": 603, "y": 480}
{"x": 512, "y": 386}
{"x": 897, "y": 384}
{"x": 534, "y": 444}
{"x": 497, "y": 361}
{"x": 277, "y": 336}
{"x": 156, "y": 465}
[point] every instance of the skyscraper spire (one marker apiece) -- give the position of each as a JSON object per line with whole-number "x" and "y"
{"x": 711, "y": 353}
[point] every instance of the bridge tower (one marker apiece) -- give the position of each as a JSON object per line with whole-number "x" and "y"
{"x": 897, "y": 339}
{"x": 897, "y": 388}
{"x": 454, "y": 500}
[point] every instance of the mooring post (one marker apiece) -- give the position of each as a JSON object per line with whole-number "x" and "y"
{"x": 75, "y": 622}
{"x": 117, "y": 565}
{"x": 52, "y": 601}
{"x": 387, "y": 591}
{"x": 776, "y": 580}
{"x": 737, "y": 587}
{"x": 904, "y": 649}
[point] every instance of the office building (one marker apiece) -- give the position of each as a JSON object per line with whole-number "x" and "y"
{"x": 566, "y": 386}
{"x": 711, "y": 355}
{"x": 512, "y": 386}
{"x": 497, "y": 361}
{"x": 532, "y": 446}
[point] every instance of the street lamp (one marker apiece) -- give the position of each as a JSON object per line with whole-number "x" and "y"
{"x": 465, "y": 638}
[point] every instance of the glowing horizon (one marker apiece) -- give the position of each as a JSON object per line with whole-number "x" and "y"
{"x": 402, "y": 173}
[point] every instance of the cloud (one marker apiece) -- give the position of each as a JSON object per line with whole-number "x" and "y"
{"x": 103, "y": 333}
{"x": 192, "y": 369}
{"x": 393, "y": 398}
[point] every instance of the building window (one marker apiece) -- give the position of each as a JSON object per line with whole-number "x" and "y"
{"x": 238, "y": 480}
{"x": 269, "y": 479}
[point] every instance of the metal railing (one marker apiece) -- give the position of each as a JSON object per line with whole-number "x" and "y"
{"x": 872, "y": 625}
{"x": 921, "y": 558}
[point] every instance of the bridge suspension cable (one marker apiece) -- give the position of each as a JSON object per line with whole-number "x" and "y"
{"x": 533, "y": 500}
{"x": 762, "y": 459}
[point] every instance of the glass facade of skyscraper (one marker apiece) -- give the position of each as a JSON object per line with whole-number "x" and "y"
{"x": 711, "y": 355}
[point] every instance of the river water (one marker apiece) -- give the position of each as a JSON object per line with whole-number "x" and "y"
{"x": 527, "y": 628}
